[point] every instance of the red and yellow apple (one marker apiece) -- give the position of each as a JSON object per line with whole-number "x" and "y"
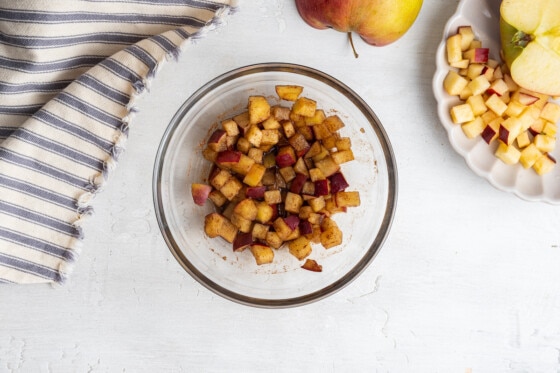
{"x": 530, "y": 37}
{"x": 378, "y": 22}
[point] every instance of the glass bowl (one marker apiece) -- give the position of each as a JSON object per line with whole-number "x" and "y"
{"x": 235, "y": 275}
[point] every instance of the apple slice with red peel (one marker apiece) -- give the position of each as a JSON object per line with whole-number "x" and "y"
{"x": 305, "y": 227}
{"x": 477, "y": 55}
{"x": 286, "y": 157}
{"x": 218, "y": 140}
{"x": 228, "y": 157}
{"x": 292, "y": 221}
{"x": 242, "y": 241}
{"x": 200, "y": 193}
{"x": 526, "y": 99}
{"x": 321, "y": 187}
{"x": 338, "y": 182}
{"x": 297, "y": 183}
{"x": 256, "y": 192}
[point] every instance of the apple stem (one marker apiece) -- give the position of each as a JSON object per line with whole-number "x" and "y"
{"x": 352, "y": 44}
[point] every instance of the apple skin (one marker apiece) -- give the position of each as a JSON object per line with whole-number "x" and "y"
{"x": 530, "y": 39}
{"x": 378, "y": 22}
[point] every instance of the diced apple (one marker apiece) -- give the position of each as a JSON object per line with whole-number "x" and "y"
{"x": 300, "y": 247}
{"x": 454, "y": 83}
{"x": 526, "y": 98}
{"x": 300, "y": 144}
{"x": 467, "y": 36}
{"x": 265, "y": 212}
{"x": 337, "y": 182}
{"x": 544, "y": 164}
{"x": 288, "y": 92}
{"x": 217, "y": 141}
{"x": 544, "y": 143}
{"x": 312, "y": 265}
{"x": 260, "y": 231}
{"x": 523, "y": 140}
{"x": 461, "y": 113}
{"x": 228, "y": 157}
{"x": 297, "y": 183}
{"x": 280, "y": 113}
{"x": 272, "y": 197}
{"x": 508, "y": 154}
{"x": 498, "y": 87}
{"x": 477, "y": 55}
{"x": 453, "y": 48}
{"x": 259, "y": 109}
{"x": 343, "y": 156}
{"x": 231, "y": 188}
{"x": 495, "y": 104}
{"x": 321, "y": 187}
{"x": 231, "y": 128}
{"x": 529, "y": 156}
{"x": 327, "y": 166}
{"x": 200, "y": 193}
{"x": 551, "y": 112}
{"x": 263, "y": 254}
{"x": 242, "y": 241}
{"x": 217, "y": 198}
{"x": 509, "y": 130}
{"x": 347, "y": 199}
{"x": 331, "y": 235}
{"x": 305, "y": 107}
{"x": 286, "y": 156}
{"x": 473, "y": 128}
{"x": 255, "y": 175}
{"x": 478, "y": 105}
{"x": 474, "y": 70}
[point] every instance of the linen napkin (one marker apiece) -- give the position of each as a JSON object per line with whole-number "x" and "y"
{"x": 69, "y": 74}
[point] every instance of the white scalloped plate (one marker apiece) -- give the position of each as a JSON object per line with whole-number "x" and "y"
{"x": 483, "y": 16}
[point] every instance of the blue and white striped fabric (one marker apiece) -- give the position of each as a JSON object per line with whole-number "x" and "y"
{"x": 69, "y": 73}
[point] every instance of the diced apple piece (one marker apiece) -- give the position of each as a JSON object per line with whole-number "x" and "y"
{"x": 461, "y": 64}
{"x": 272, "y": 197}
{"x": 260, "y": 231}
{"x": 242, "y": 121}
{"x": 244, "y": 165}
{"x": 217, "y": 225}
{"x": 551, "y": 112}
{"x": 242, "y": 241}
{"x": 255, "y": 175}
{"x": 300, "y": 144}
{"x": 529, "y": 156}
{"x": 477, "y": 55}
{"x": 297, "y": 183}
{"x": 478, "y": 105}
{"x": 474, "y": 70}
{"x": 218, "y": 140}
{"x": 288, "y": 92}
{"x": 343, "y": 156}
{"x": 287, "y": 173}
{"x": 231, "y": 188}
{"x": 473, "y": 128}
{"x": 281, "y": 228}
{"x": 331, "y": 235}
{"x": 537, "y": 126}
{"x": 273, "y": 240}
{"x": 227, "y": 158}
{"x": 280, "y": 113}
{"x": 269, "y": 137}
{"x": 467, "y": 36}
{"x": 255, "y": 192}
{"x": 478, "y": 85}
{"x": 453, "y": 48}
{"x": 317, "y": 204}
{"x": 508, "y": 153}
{"x": 304, "y": 106}
{"x": 544, "y": 164}
{"x": 347, "y": 199}
{"x": 525, "y": 98}
{"x": 454, "y": 83}
{"x": 523, "y": 140}
{"x": 254, "y": 135}
{"x": 327, "y": 166}
{"x": 246, "y": 208}
{"x": 338, "y": 182}
{"x": 200, "y": 193}
{"x": 293, "y": 202}
{"x": 286, "y": 156}
{"x": 544, "y": 143}
{"x": 509, "y": 130}
{"x": 498, "y": 87}
{"x": 305, "y": 227}
{"x": 461, "y": 113}
{"x": 321, "y": 187}
{"x": 243, "y": 145}
{"x": 231, "y": 128}
{"x": 300, "y": 247}
{"x": 343, "y": 143}
{"x": 312, "y": 265}
{"x": 217, "y": 198}
{"x": 496, "y": 105}
{"x": 259, "y": 109}
{"x": 514, "y": 108}
{"x": 263, "y": 254}
{"x": 219, "y": 177}
{"x": 550, "y": 129}
{"x": 265, "y": 212}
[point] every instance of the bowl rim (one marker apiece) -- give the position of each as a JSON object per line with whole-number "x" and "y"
{"x": 384, "y": 228}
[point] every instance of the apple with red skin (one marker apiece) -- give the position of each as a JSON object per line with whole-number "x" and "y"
{"x": 285, "y": 157}
{"x": 338, "y": 182}
{"x": 292, "y": 221}
{"x": 256, "y": 192}
{"x": 200, "y": 193}
{"x": 305, "y": 227}
{"x": 218, "y": 140}
{"x": 378, "y": 22}
{"x": 242, "y": 241}
{"x": 297, "y": 183}
{"x": 228, "y": 157}
{"x": 321, "y": 187}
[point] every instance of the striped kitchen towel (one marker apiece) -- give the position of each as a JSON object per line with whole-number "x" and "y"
{"x": 69, "y": 73}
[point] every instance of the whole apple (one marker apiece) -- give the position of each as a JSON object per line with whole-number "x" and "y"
{"x": 530, "y": 37}
{"x": 378, "y": 22}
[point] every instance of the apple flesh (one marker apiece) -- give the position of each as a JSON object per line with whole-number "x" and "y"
{"x": 530, "y": 37}
{"x": 378, "y": 22}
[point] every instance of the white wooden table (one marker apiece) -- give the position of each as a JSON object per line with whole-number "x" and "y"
{"x": 468, "y": 279}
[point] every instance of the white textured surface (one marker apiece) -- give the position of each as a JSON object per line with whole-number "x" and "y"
{"x": 468, "y": 278}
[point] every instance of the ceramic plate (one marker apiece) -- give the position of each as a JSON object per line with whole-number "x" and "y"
{"x": 483, "y": 16}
